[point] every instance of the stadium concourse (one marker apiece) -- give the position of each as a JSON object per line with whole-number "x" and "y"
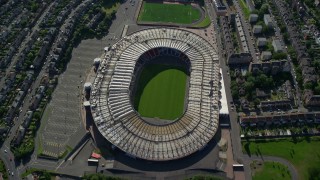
{"x": 114, "y": 113}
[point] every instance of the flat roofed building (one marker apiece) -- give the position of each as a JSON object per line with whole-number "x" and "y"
{"x": 261, "y": 42}
{"x": 257, "y": 29}
{"x": 253, "y": 18}
{"x": 220, "y": 7}
{"x": 277, "y": 45}
{"x": 266, "y": 55}
{"x": 267, "y": 20}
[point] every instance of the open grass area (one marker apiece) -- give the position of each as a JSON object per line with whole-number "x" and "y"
{"x": 109, "y": 6}
{"x": 303, "y": 153}
{"x": 204, "y": 23}
{"x": 161, "y": 92}
{"x": 270, "y": 171}
{"x": 245, "y": 9}
{"x": 168, "y": 13}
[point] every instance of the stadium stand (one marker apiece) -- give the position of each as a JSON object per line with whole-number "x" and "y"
{"x": 115, "y": 116}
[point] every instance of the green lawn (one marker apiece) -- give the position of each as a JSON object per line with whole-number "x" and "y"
{"x": 204, "y": 23}
{"x": 270, "y": 171}
{"x": 174, "y": 13}
{"x": 303, "y": 153}
{"x": 161, "y": 92}
{"x": 245, "y": 9}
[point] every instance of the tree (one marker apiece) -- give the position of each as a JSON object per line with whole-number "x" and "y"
{"x": 308, "y": 85}
{"x": 45, "y": 175}
{"x": 286, "y": 38}
{"x": 278, "y": 56}
{"x": 316, "y": 65}
{"x": 317, "y": 89}
{"x": 256, "y": 101}
{"x": 261, "y": 79}
{"x": 308, "y": 44}
{"x": 248, "y": 86}
{"x": 37, "y": 115}
{"x": 99, "y": 176}
{"x": 283, "y": 28}
{"x": 263, "y": 10}
{"x": 234, "y": 90}
{"x": 265, "y": 29}
{"x": 30, "y": 56}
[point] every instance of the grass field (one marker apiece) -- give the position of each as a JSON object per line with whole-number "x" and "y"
{"x": 204, "y": 23}
{"x": 245, "y": 9}
{"x": 161, "y": 92}
{"x": 303, "y": 153}
{"x": 174, "y": 13}
{"x": 270, "y": 171}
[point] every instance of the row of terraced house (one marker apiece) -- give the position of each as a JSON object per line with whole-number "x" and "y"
{"x": 284, "y": 119}
{"x": 308, "y": 72}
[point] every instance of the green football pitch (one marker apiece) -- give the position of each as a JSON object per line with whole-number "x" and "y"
{"x": 174, "y": 13}
{"x": 161, "y": 92}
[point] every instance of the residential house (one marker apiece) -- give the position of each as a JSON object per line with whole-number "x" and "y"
{"x": 221, "y": 9}
{"x": 241, "y": 35}
{"x": 27, "y": 119}
{"x": 244, "y": 104}
{"x": 310, "y": 99}
{"x": 293, "y": 118}
{"x": 241, "y": 58}
{"x": 20, "y": 135}
{"x": 312, "y": 78}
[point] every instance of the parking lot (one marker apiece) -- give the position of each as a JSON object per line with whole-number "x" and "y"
{"x": 62, "y": 121}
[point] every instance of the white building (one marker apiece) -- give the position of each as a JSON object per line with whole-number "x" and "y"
{"x": 267, "y": 20}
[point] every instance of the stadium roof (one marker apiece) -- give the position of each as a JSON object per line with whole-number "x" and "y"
{"x": 116, "y": 118}
{"x": 224, "y": 104}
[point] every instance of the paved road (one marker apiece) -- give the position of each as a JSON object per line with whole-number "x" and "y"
{"x": 291, "y": 168}
{"x": 235, "y": 128}
{"x": 5, "y": 157}
{"x": 218, "y": 32}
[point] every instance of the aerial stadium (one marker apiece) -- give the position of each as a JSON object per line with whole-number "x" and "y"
{"x": 123, "y": 106}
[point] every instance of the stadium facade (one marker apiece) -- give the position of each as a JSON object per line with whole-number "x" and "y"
{"x": 113, "y": 111}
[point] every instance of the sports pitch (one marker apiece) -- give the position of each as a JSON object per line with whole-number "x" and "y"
{"x": 168, "y": 13}
{"x": 161, "y": 92}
